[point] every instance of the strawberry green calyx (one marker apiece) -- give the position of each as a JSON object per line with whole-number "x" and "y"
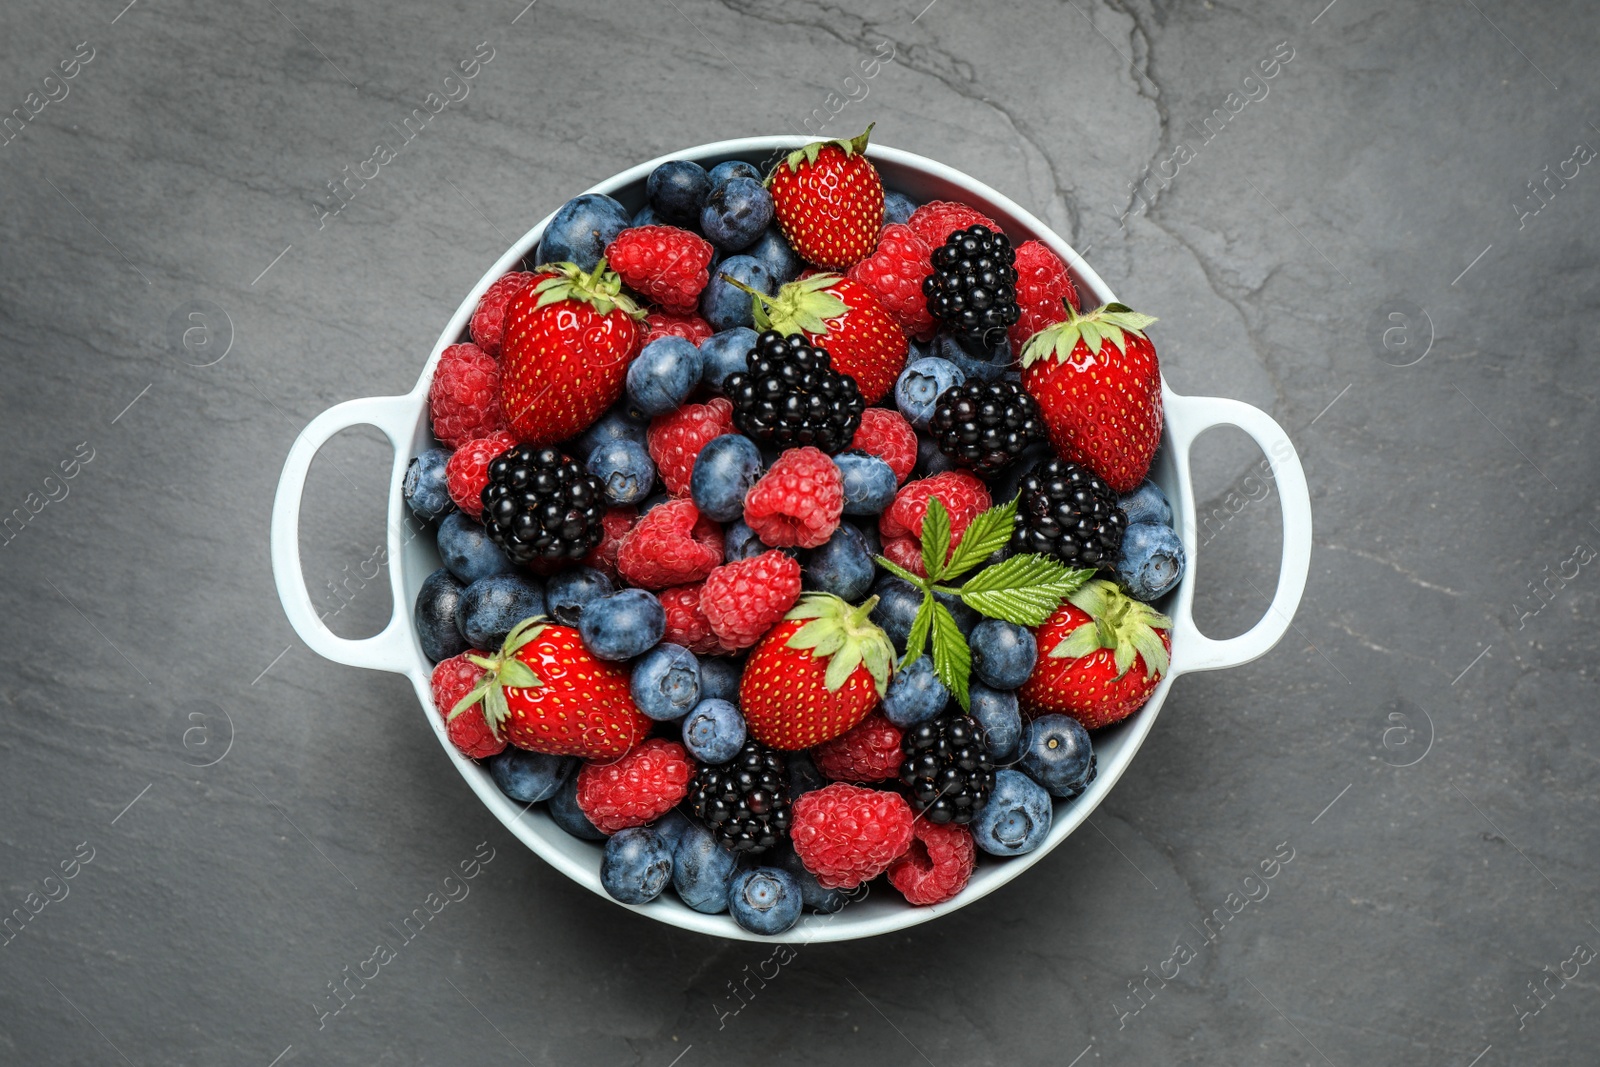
{"x": 600, "y": 288}
{"x": 802, "y": 306}
{"x": 1120, "y": 623}
{"x": 843, "y": 635}
{"x": 854, "y": 146}
{"x": 1111, "y": 322}
{"x": 503, "y": 671}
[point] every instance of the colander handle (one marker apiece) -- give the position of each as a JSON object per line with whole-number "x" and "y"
{"x": 390, "y": 649}
{"x": 1187, "y": 418}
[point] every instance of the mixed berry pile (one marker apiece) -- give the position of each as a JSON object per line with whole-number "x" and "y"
{"x": 794, "y": 534}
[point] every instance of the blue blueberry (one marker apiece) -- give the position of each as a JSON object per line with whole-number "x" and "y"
{"x": 425, "y": 489}
{"x": 803, "y": 774}
{"x": 898, "y": 601}
{"x": 736, "y": 213}
{"x": 1017, "y": 817}
{"x": 566, "y": 593}
{"x": 812, "y": 894}
{"x": 491, "y": 606}
{"x": 919, "y": 387}
{"x": 655, "y": 501}
{"x": 581, "y": 229}
{"x": 672, "y": 826}
{"x": 740, "y": 542}
{"x": 897, "y": 207}
{"x": 842, "y": 565}
{"x": 733, "y": 168}
{"x": 465, "y": 549}
{"x": 666, "y": 682}
{"x": 565, "y": 813}
{"x": 622, "y": 423}
{"x": 437, "y": 603}
{"x": 625, "y": 471}
{"x": 677, "y": 190}
{"x": 986, "y": 365}
{"x": 714, "y": 731}
{"x": 723, "y": 473}
{"x": 1057, "y": 753}
{"x": 997, "y": 712}
{"x": 765, "y": 900}
{"x": 637, "y": 865}
{"x": 869, "y": 534}
{"x": 646, "y": 216}
{"x": 529, "y": 777}
{"x": 719, "y": 678}
{"x": 1147, "y": 504}
{"x": 869, "y": 482}
{"x": 726, "y": 353}
{"x": 662, "y": 376}
{"x": 725, "y": 305}
{"x": 915, "y": 694}
{"x": 702, "y": 870}
{"x": 773, "y": 252}
{"x": 930, "y": 460}
{"x": 623, "y": 625}
{"x": 1003, "y": 653}
{"x": 1151, "y": 562}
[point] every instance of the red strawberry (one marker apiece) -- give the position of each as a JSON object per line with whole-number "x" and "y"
{"x": 1099, "y": 386}
{"x": 828, "y": 200}
{"x": 938, "y": 219}
{"x": 545, "y": 692}
{"x": 1042, "y": 284}
{"x": 894, "y": 273}
{"x": 842, "y": 316}
{"x": 816, "y": 674}
{"x": 667, "y": 265}
{"x": 565, "y": 352}
{"x": 690, "y": 327}
{"x": 1101, "y": 655}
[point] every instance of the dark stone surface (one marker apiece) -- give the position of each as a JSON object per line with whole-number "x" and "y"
{"x": 1382, "y": 171}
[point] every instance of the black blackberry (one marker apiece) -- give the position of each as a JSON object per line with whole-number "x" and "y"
{"x": 791, "y": 396}
{"x": 1067, "y": 511}
{"x": 540, "y": 505}
{"x": 947, "y": 771}
{"x": 973, "y": 287}
{"x": 744, "y": 802}
{"x": 985, "y": 425}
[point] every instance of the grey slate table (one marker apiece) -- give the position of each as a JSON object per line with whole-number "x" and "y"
{"x": 1389, "y": 245}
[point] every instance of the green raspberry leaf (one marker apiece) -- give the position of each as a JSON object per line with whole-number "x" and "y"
{"x": 1024, "y": 589}
{"x": 952, "y": 658}
{"x": 935, "y": 539}
{"x": 900, "y": 572}
{"x": 917, "y": 639}
{"x": 988, "y": 534}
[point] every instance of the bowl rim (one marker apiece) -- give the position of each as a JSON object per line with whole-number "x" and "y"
{"x": 407, "y": 420}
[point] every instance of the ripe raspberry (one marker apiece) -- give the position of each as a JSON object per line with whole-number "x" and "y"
{"x": 894, "y": 274}
{"x": 937, "y": 865}
{"x": 907, "y": 552}
{"x": 635, "y": 789}
{"x": 744, "y": 599}
{"x": 617, "y": 522}
{"x": 671, "y": 545}
{"x": 798, "y": 501}
{"x": 675, "y": 439}
{"x": 1042, "y": 283}
{"x": 846, "y": 835}
{"x": 467, "y": 470}
{"x": 887, "y": 435}
{"x": 961, "y": 493}
{"x": 687, "y": 624}
{"x": 464, "y": 399}
{"x": 938, "y": 219}
{"x": 690, "y": 327}
{"x": 665, "y": 264}
{"x": 867, "y": 752}
{"x": 470, "y": 732}
{"x": 488, "y": 322}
